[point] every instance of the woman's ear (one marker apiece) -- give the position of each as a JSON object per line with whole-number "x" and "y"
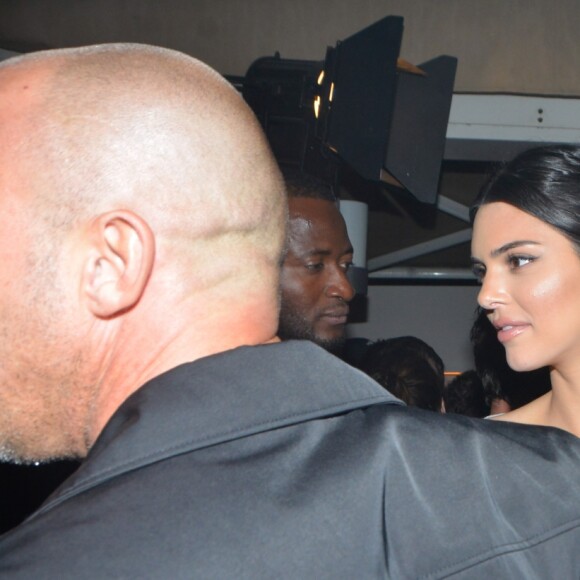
{"x": 121, "y": 258}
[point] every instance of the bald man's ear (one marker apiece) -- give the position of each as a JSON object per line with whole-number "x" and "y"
{"x": 121, "y": 257}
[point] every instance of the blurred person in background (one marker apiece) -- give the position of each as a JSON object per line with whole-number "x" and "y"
{"x": 464, "y": 395}
{"x": 409, "y": 368}
{"x": 315, "y": 289}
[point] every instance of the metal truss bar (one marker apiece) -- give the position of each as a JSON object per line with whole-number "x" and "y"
{"x": 411, "y": 273}
{"x": 453, "y": 208}
{"x": 417, "y": 250}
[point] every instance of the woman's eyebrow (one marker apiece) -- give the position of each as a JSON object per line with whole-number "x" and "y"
{"x": 511, "y": 245}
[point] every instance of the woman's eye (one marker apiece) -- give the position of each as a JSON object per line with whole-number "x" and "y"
{"x": 478, "y": 271}
{"x": 346, "y": 266}
{"x": 519, "y": 261}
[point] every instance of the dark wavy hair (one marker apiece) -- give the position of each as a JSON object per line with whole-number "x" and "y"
{"x": 407, "y": 367}
{"x": 545, "y": 183}
{"x": 464, "y": 395}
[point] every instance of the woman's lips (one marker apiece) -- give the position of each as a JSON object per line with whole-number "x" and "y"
{"x": 507, "y": 332}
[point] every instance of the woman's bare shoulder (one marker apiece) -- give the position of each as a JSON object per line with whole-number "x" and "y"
{"x": 534, "y": 413}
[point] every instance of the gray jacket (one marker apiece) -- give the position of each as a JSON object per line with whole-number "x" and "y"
{"x": 282, "y": 462}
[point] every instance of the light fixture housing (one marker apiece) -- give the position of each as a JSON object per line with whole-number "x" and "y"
{"x": 362, "y": 105}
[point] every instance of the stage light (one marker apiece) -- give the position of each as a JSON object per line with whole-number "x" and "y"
{"x": 363, "y": 105}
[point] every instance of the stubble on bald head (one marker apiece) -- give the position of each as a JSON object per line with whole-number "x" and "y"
{"x": 160, "y": 133}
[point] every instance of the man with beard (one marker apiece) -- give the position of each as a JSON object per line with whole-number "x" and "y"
{"x": 315, "y": 290}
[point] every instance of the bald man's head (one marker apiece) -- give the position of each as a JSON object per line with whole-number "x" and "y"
{"x": 142, "y": 221}
{"x": 147, "y": 128}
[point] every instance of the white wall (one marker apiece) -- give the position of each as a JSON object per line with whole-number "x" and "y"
{"x": 440, "y": 315}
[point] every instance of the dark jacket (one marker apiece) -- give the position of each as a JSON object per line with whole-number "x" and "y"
{"x": 282, "y": 462}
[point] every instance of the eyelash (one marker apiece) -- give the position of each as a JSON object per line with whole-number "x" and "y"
{"x": 478, "y": 271}
{"x": 319, "y": 266}
{"x": 314, "y": 267}
{"x": 515, "y": 259}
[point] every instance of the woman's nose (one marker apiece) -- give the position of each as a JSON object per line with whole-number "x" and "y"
{"x": 492, "y": 292}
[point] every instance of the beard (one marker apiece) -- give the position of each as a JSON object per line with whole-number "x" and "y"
{"x": 293, "y": 326}
{"x": 41, "y": 388}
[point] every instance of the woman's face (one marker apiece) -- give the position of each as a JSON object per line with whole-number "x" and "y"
{"x": 530, "y": 286}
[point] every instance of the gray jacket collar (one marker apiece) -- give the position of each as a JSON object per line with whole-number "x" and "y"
{"x": 219, "y": 398}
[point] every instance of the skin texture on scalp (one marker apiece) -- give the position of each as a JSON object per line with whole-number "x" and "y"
{"x": 143, "y": 223}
